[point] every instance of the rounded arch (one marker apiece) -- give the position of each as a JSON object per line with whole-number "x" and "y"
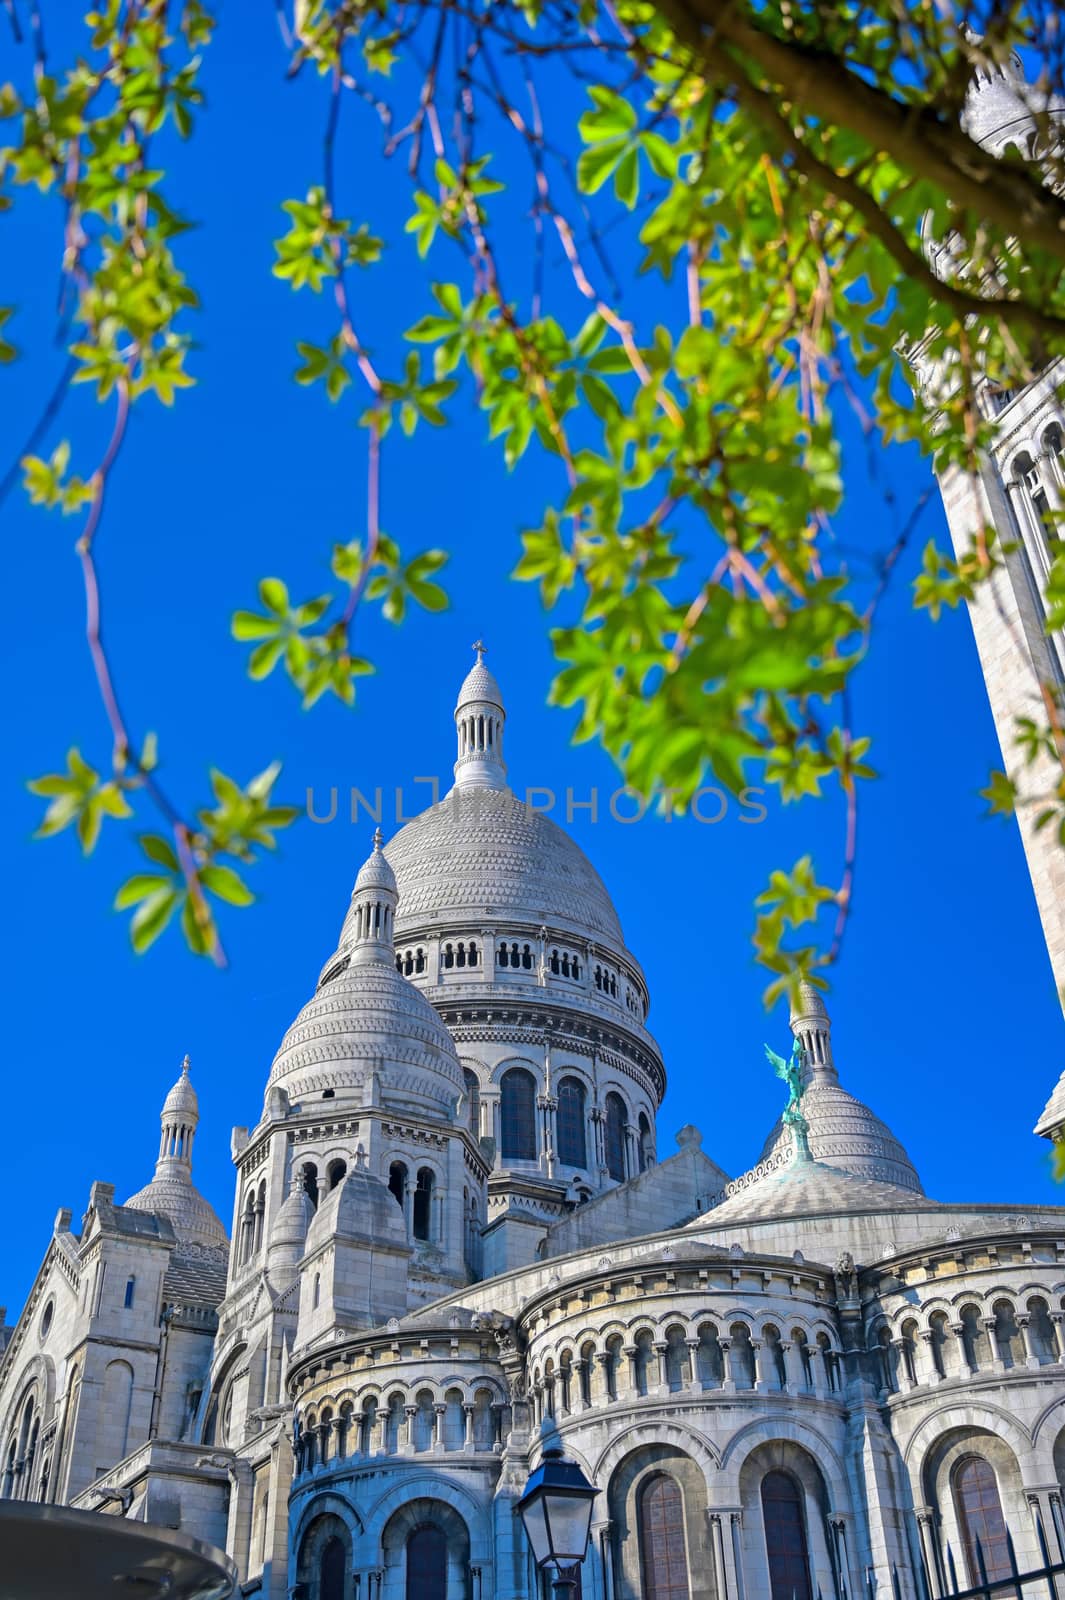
{"x": 656, "y": 1501}
{"x": 427, "y": 1486}
{"x": 425, "y": 1551}
{"x": 981, "y": 1417}
{"x": 781, "y": 1434}
{"x": 674, "y": 1434}
{"x": 325, "y": 1549}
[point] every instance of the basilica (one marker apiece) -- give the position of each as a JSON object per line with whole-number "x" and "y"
{"x": 455, "y": 1225}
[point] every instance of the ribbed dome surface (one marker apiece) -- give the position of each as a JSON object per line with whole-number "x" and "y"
{"x": 484, "y": 853}
{"x": 846, "y": 1135}
{"x": 177, "y": 1198}
{"x": 809, "y": 1188}
{"x": 366, "y": 1019}
{"x": 479, "y": 685}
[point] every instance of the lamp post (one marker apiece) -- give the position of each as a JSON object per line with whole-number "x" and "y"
{"x": 556, "y": 1510}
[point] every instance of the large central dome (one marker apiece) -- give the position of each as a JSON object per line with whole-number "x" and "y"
{"x": 484, "y": 853}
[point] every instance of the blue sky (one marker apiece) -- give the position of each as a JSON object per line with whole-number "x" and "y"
{"x": 944, "y": 1010}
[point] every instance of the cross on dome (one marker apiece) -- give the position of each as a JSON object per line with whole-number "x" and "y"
{"x": 481, "y": 649}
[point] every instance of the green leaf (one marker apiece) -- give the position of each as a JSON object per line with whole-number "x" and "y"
{"x": 225, "y": 883}
{"x": 151, "y": 917}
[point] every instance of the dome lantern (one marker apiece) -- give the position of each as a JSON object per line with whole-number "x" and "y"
{"x": 171, "y": 1191}
{"x": 479, "y": 720}
{"x": 373, "y": 909}
{"x": 811, "y": 1025}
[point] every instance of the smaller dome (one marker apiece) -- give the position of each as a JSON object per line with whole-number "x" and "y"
{"x": 292, "y": 1221}
{"x": 479, "y": 686}
{"x": 360, "y": 1207}
{"x": 375, "y": 872}
{"x": 845, "y": 1134}
{"x": 182, "y": 1099}
{"x": 175, "y": 1197}
{"x": 809, "y": 1189}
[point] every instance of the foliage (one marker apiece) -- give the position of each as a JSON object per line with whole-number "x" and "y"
{"x": 779, "y": 167}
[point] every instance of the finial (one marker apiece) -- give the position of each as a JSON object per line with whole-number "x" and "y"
{"x": 480, "y": 648}
{"x": 185, "y": 1065}
{"x": 378, "y": 841}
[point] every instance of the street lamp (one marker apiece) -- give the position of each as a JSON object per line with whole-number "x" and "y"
{"x": 556, "y": 1510}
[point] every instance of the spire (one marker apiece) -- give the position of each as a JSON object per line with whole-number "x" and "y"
{"x": 479, "y": 719}
{"x": 811, "y": 1025}
{"x": 373, "y": 909}
{"x": 179, "y": 1118}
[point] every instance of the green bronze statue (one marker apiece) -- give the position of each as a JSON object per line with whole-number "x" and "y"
{"x": 791, "y": 1073}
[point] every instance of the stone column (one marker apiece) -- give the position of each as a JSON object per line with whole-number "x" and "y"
{"x": 439, "y": 1413}
{"x": 497, "y": 1424}
{"x": 793, "y": 1368}
{"x": 758, "y": 1346}
{"x": 601, "y": 1391}
{"x": 1057, "y": 1520}
{"x": 695, "y": 1383}
{"x": 728, "y": 1381}
{"x": 380, "y": 1425}
{"x": 632, "y": 1388}
{"x": 818, "y": 1377}
{"x": 409, "y": 1412}
{"x": 576, "y": 1385}
{"x": 717, "y": 1549}
{"x": 661, "y": 1349}
{"x": 1057, "y": 1318}
{"x": 926, "y": 1528}
{"x": 468, "y": 1409}
{"x": 964, "y": 1367}
{"x": 997, "y": 1363}
{"x": 606, "y": 1552}
{"x": 737, "y": 1587}
{"x": 927, "y": 1371}
{"x": 1024, "y": 1322}
{"x": 902, "y": 1370}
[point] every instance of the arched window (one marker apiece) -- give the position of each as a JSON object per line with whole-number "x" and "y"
{"x": 317, "y": 1297}
{"x": 473, "y": 1101}
{"x": 617, "y": 1122}
{"x": 983, "y": 1528}
{"x": 427, "y": 1564}
{"x": 663, "y": 1547}
{"x": 336, "y": 1172}
{"x": 518, "y": 1115}
{"x": 423, "y": 1204}
{"x": 310, "y": 1182}
{"x": 397, "y": 1184}
{"x": 643, "y": 1146}
{"x": 572, "y": 1151}
{"x": 785, "y": 1537}
{"x": 331, "y": 1573}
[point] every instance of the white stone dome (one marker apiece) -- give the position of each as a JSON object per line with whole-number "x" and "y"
{"x": 367, "y": 1018}
{"x": 846, "y": 1135}
{"x": 484, "y": 853}
{"x": 194, "y": 1220}
{"x": 289, "y": 1227}
{"x": 479, "y": 686}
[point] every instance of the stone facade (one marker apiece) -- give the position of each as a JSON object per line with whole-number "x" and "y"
{"x": 453, "y": 1228}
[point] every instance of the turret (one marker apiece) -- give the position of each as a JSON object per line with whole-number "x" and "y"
{"x": 179, "y": 1118}
{"x": 373, "y": 910}
{"x": 479, "y": 720}
{"x": 811, "y": 1025}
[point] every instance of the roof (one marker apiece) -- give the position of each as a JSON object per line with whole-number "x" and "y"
{"x": 483, "y": 852}
{"x": 808, "y": 1189}
{"x": 175, "y": 1196}
{"x": 196, "y": 1277}
{"x": 369, "y": 1018}
{"x": 845, "y": 1134}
